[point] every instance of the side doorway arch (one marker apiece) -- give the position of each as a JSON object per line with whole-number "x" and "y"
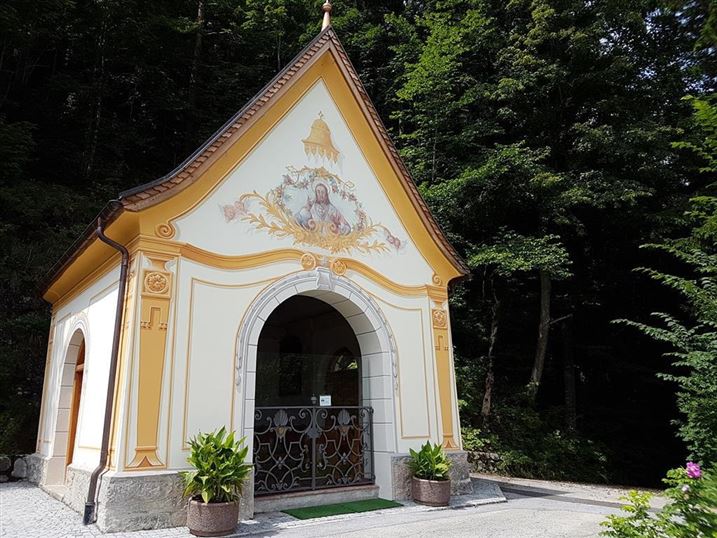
{"x": 68, "y": 407}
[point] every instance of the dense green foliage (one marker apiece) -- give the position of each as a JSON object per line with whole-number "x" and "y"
{"x": 429, "y": 463}
{"x": 541, "y": 132}
{"x": 690, "y": 512}
{"x": 693, "y": 342}
{"x": 219, "y": 467}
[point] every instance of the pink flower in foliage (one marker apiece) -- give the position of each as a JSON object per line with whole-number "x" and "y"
{"x": 694, "y": 470}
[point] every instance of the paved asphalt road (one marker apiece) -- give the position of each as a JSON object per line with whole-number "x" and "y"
{"x": 524, "y": 515}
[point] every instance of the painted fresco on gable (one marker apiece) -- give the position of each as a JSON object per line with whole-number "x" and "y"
{"x": 315, "y": 207}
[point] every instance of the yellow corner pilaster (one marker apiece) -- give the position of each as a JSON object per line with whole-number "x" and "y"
{"x": 442, "y": 354}
{"x": 156, "y": 295}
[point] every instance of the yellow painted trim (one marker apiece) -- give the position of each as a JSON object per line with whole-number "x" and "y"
{"x": 108, "y": 265}
{"x": 233, "y": 153}
{"x": 157, "y": 289}
{"x": 454, "y": 389}
{"x": 248, "y": 261}
{"x": 84, "y": 269}
{"x": 157, "y": 246}
{"x": 125, "y": 355}
{"x": 132, "y": 360}
{"x": 157, "y": 220}
{"x": 442, "y": 353}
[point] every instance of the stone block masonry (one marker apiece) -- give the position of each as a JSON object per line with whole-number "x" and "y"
{"x": 13, "y": 467}
{"x": 459, "y": 474}
{"x": 133, "y": 501}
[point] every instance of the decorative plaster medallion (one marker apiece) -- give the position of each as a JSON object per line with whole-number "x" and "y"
{"x": 308, "y": 261}
{"x": 338, "y": 267}
{"x": 440, "y": 318}
{"x": 165, "y": 230}
{"x": 155, "y": 282}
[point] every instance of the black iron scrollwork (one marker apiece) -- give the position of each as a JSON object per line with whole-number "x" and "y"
{"x": 306, "y": 448}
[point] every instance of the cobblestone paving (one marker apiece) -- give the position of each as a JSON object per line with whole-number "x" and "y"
{"x": 28, "y": 512}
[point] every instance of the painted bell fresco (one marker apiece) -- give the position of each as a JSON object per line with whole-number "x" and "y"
{"x": 314, "y": 206}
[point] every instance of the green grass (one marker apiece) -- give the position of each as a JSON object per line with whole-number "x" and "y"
{"x": 326, "y": 510}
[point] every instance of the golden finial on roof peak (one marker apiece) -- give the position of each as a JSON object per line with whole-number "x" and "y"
{"x": 327, "y": 15}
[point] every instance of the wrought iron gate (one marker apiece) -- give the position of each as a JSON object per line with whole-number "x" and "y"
{"x": 307, "y": 448}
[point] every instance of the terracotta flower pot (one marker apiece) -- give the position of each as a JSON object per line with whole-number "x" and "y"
{"x": 212, "y": 519}
{"x": 431, "y": 492}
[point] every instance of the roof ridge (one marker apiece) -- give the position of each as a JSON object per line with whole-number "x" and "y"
{"x": 147, "y": 194}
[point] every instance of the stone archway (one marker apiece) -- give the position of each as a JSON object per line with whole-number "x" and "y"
{"x": 68, "y": 406}
{"x": 377, "y": 345}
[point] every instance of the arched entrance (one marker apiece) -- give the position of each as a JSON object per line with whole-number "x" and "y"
{"x": 310, "y": 335}
{"x": 307, "y": 350}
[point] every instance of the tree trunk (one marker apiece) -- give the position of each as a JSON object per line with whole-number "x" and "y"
{"x": 543, "y": 332}
{"x": 490, "y": 376}
{"x": 278, "y": 53}
{"x": 193, "y": 75}
{"x": 433, "y": 152}
{"x": 93, "y": 131}
{"x": 569, "y": 376}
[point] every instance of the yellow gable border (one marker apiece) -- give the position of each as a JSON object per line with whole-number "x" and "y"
{"x": 151, "y": 215}
{"x": 158, "y": 219}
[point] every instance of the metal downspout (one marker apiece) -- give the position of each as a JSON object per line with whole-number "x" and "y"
{"x": 90, "y": 515}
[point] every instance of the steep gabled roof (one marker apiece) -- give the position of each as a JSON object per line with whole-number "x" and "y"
{"x": 191, "y": 169}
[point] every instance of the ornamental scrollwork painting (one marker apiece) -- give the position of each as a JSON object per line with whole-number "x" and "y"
{"x": 315, "y": 207}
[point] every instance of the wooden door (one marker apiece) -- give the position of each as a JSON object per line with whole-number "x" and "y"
{"x": 75, "y": 405}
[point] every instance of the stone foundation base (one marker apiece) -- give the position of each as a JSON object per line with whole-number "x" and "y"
{"x": 302, "y": 499}
{"x": 459, "y": 473}
{"x": 128, "y": 501}
{"x": 132, "y": 502}
{"x": 77, "y": 482}
{"x": 36, "y": 468}
{"x": 148, "y": 501}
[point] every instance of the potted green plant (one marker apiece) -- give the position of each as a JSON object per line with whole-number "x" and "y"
{"x": 431, "y": 484}
{"x": 215, "y": 485}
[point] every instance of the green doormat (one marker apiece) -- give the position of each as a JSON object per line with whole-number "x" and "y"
{"x": 326, "y": 510}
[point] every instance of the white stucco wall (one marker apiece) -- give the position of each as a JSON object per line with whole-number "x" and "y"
{"x": 92, "y": 312}
{"x": 201, "y": 391}
{"x": 206, "y": 225}
{"x": 206, "y": 381}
